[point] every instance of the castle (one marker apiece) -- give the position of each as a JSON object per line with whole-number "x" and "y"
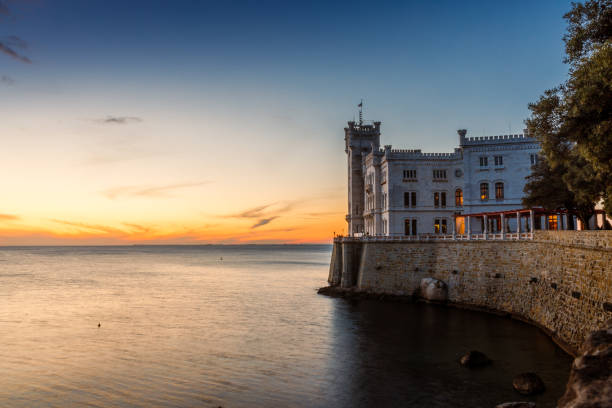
{"x": 395, "y": 192}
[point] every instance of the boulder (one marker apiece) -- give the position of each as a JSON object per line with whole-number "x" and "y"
{"x": 519, "y": 404}
{"x": 590, "y": 380}
{"x": 434, "y": 289}
{"x": 528, "y": 384}
{"x": 474, "y": 358}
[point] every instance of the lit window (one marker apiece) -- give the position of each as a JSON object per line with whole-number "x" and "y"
{"x": 440, "y": 226}
{"x": 552, "y": 222}
{"x": 484, "y": 191}
{"x": 436, "y": 199}
{"x": 499, "y": 160}
{"x": 499, "y": 191}
{"x": 484, "y": 161}
{"x": 436, "y": 226}
{"x": 458, "y": 198}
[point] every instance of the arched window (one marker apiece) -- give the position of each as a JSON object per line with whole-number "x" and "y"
{"x": 484, "y": 191}
{"x": 458, "y": 198}
{"x": 499, "y": 191}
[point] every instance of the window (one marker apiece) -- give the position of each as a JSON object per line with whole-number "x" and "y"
{"x": 458, "y": 198}
{"x": 533, "y": 158}
{"x": 440, "y": 226}
{"x": 499, "y": 191}
{"x": 410, "y": 226}
{"x": 484, "y": 191}
{"x": 384, "y": 200}
{"x": 439, "y": 174}
{"x": 552, "y": 222}
{"x": 436, "y": 199}
{"x": 410, "y": 199}
{"x": 499, "y": 160}
{"x": 410, "y": 174}
{"x": 484, "y": 161}
{"x": 443, "y": 196}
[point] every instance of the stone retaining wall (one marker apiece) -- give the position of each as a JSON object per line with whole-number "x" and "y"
{"x": 561, "y": 280}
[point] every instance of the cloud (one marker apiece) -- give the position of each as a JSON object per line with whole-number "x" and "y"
{"x": 263, "y": 222}
{"x": 9, "y": 217}
{"x": 137, "y": 228}
{"x": 4, "y": 48}
{"x": 119, "y": 120}
{"x": 91, "y": 227}
{"x": 6, "y": 80}
{"x": 153, "y": 191}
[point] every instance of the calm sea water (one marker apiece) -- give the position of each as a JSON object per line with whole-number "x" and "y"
{"x": 239, "y": 326}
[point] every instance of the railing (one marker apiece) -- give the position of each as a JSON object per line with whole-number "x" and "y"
{"x": 509, "y": 236}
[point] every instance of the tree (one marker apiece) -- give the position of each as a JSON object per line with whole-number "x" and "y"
{"x": 573, "y": 122}
{"x": 546, "y": 188}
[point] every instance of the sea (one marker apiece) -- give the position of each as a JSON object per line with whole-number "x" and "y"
{"x": 241, "y": 326}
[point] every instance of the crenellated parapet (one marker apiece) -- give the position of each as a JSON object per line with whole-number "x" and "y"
{"x": 493, "y": 140}
{"x": 417, "y": 154}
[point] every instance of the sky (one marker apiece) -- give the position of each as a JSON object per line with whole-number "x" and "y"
{"x": 187, "y": 122}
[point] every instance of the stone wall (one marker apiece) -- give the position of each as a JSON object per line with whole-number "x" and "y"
{"x": 561, "y": 281}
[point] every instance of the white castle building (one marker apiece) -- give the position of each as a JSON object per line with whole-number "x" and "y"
{"x": 407, "y": 192}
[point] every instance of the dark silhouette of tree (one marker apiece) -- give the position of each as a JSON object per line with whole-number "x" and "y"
{"x": 574, "y": 121}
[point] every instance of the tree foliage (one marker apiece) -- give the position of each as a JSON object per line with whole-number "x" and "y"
{"x": 573, "y": 122}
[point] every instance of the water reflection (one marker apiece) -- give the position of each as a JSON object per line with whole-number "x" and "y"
{"x": 393, "y": 354}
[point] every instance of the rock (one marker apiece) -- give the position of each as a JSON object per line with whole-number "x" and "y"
{"x": 474, "y": 359}
{"x": 528, "y": 384}
{"x": 590, "y": 380}
{"x": 520, "y": 404}
{"x": 434, "y": 289}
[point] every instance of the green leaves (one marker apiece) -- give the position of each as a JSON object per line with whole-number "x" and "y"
{"x": 574, "y": 121}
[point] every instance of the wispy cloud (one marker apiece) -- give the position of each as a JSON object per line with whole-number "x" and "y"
{"x": 9, "y": 217}
{"x": 263, "y": 222}
{"x": 6, "y": 49}
{"x": 265, "y": 213}
{"x": 91, "y": 227}
{"x": 6, "y": 80}
{"x": 148, "y": 191}
{"x": 119, "y": 120}
{"x": 137, "y": 228}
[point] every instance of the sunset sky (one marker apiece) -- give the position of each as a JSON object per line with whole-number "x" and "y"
{"x": 222, "y": 121}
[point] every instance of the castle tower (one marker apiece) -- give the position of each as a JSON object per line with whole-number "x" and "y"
{"x": 360, "y": 139}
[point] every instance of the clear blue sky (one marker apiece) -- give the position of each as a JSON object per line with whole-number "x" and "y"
{"x": 260, "y": 88}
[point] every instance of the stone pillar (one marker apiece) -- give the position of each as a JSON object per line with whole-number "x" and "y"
{"x": 486, "y": 226}
{"x": 469, "y": 227}
{"x": 518, "y": 225}
{"x": 454, "y": 226}
{"x": 503, "y": 226}
{"x": 531, "y": 219}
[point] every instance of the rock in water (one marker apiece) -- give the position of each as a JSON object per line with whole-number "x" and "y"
{"x": 590, "y": 381}
{"x": 434, "y": 289}
{"x": 474, "y": 359}
{"x": 528, "y": 384}
{"x": 519, "y": 404}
